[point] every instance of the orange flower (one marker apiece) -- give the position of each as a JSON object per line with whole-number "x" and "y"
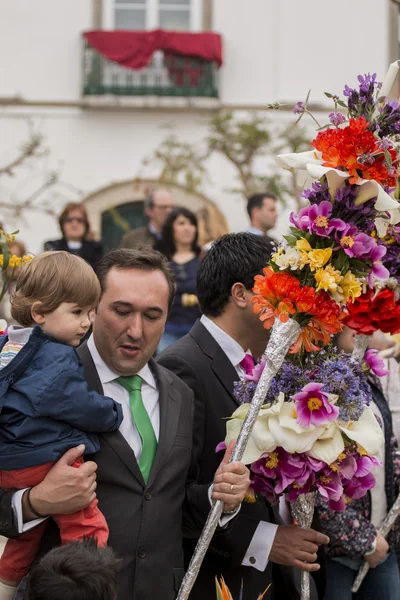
{"x": 356, "y": 150}
{"x": 275, "y": 296}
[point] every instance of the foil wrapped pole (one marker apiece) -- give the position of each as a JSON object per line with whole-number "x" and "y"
{"x": 361, "y": 342}
{"x": 303, "y": 512}
{"x": 283, "y": 335}
{"x": 384, "y": 529}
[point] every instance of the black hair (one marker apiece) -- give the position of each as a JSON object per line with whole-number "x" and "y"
{"x": 166, "y": 244}
{"x": 234, "y": 258}
{"x": 256, "y": 201}
{"x": 76, "y": 571}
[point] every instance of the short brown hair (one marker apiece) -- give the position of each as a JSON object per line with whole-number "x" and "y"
{"x": 53, "y": 278}
{"x": 143, "y": 258}
{"x": 69, "y": 208}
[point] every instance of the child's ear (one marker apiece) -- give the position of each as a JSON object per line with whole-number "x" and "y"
{"x": 36, "y": 313}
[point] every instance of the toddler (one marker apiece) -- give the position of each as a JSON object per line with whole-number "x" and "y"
{"x": 46, "y": 407}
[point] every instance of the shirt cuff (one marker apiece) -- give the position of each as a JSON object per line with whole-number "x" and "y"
{"x": 257, "y": 554}
{"x": 16, "y": 503}
{"x": 225, "y": 518}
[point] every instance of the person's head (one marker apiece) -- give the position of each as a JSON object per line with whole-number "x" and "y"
{"x": 262, "y": 211}
{"x": 57, "y": 291}
{"x": 180, "y": 229}
{"x": 75, "y": 571}
{"x": 138, "y": 288}
{"x": 344, "y": 340}
{"x": 157, "y": 208}
{"x": 74, "y": 222}
{"x": 225, "y": 280}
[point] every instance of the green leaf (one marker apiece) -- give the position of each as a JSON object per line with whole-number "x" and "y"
{"x": 341, "y": 103}
{"x": 328, "y": 95}
{"x": 291, "y": 239}
{"x": 388, "y": 158}
{"x": 358, "y": 265}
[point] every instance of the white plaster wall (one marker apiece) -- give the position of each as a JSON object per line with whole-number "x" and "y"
{"x": 40, "y": 48}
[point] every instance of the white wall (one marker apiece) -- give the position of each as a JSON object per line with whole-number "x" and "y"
{"x": 40, "y": 48}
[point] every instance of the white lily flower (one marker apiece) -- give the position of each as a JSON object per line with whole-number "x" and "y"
{"x": 366, "y": 432}
{"x": 289, "y": 434}
{"x": 261, "y": 439}
{"x": 328, "y": 447}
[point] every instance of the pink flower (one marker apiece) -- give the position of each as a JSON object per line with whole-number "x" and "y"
{"x": 329, "y": 485}
{"x": 257, "y": 371}
{"x": 354, "y": 243}
{"x": 313, "y": 406}
{"x": 375, "y": 362}
{"x": 359, "y": 486}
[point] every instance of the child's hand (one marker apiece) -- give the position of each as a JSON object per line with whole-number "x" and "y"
{"x": 65, "y": 489}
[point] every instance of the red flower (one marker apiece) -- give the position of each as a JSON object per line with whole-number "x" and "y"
{"x": 370, "y": 313}
{"x": 356, "y": 150}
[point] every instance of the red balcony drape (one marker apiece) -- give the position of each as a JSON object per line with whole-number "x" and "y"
{"x": 134, "y": 49}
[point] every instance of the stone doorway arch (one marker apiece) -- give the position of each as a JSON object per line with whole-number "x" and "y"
{"x": 117, "y": 207}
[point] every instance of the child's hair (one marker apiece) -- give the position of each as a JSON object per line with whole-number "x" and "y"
{"x": 76, "y": 571}
{"x": 53, "y": 278}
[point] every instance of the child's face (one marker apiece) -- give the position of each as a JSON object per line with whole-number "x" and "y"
{"x": 69, "y": 323}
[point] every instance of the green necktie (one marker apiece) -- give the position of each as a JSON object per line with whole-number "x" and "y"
{"x": 143, "y": 424}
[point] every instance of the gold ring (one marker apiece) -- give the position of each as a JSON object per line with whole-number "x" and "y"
{"x": 231, "y": 488}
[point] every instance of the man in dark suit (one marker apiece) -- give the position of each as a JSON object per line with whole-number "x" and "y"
{"x": 210, "y": 359}
{"x": 144, "y": 508}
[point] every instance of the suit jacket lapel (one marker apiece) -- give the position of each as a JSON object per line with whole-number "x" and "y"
{"x": 170, "y": 406}
{"x": 221, "y": 365}
{"x": 115, "y": 439}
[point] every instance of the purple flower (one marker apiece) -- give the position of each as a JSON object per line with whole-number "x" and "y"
{"x": 298, "y": 108}
{"x": 336, "y": 118}
{"x": 329, "y": 485}
{"x": 365, "y": 464}
{"x": 316, "y": 218}
{"x": 358, "y": 486}
{"x": 313, "y": 406}
{"x": 375, "y": 363}
{"x": 378, "y": 270}
{"x": 354, "y": 243}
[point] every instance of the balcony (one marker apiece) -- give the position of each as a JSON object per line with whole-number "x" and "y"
{"x": 166, "y": 77}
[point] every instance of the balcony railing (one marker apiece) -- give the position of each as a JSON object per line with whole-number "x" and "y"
{"x": 166, "y": 75}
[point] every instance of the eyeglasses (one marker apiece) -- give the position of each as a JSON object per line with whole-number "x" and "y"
{"x": 77, "y": 219}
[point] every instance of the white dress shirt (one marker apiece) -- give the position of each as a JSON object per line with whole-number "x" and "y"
{"x": 118, "y": 393}
{"x": 257, "y": 554}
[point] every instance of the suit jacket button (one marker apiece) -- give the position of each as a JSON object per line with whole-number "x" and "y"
{"x": 141, "y": 553}
{"x": 147, "y": 496}
{"x": 252, "y": 560}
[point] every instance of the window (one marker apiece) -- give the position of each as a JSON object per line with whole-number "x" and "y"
{"x": 180, "y": 15}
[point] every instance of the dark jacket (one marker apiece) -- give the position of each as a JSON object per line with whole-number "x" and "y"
{"x": 145, "y": 520}
{"x": 137, "y": 237}
{"x": 46, "y": 407}
{"x": 199, "y": 361}
{"x": 91, "y": 250}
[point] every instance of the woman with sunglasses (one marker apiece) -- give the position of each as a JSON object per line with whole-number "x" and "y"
{"x": 75, "y": 229}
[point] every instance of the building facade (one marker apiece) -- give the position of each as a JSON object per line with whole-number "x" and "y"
{"x": 100, "y": 120}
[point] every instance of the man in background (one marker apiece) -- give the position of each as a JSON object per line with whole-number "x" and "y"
{"x": 263, "y": 213}
{"x": 157, "y": 208}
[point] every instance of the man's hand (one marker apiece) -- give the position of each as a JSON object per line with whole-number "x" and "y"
{"x": 381, "y": 550}
{"x": 297, "y": 547}
{"x": 231, "y": 481}
{"x": 65, "y": 489}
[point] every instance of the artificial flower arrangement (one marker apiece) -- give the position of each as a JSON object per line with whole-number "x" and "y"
{"x": 316, "y": 431}
{"x": 299, "y": 427}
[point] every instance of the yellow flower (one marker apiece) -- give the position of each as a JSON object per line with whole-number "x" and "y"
{"x": 350, "y": 287}
{"x": 327, "y": 279}
{"x": 318, "y": 258}
{"x": 26, "y": 258}
{"x": 303, "y": 245}
{"x": 1, "y": 260}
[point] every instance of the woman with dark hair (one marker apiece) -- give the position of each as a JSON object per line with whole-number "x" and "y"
{"x": 75, "y": 229}
{"x": 179, "y": 244}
